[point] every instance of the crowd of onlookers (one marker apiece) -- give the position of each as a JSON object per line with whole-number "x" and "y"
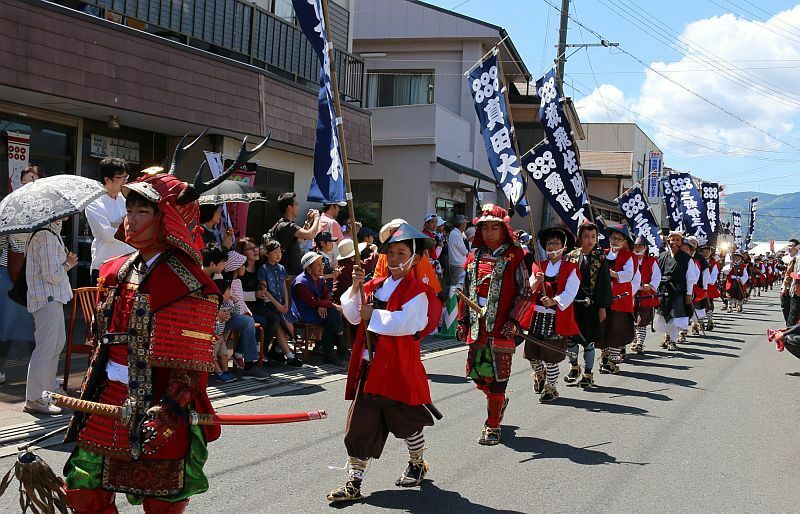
{"x": 294, "y": 276}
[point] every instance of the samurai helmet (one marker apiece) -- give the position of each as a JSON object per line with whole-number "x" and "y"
{"x": 179, "y": 212}
{"x": 493, "y": 213}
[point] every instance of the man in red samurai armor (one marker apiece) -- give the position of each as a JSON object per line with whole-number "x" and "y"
{"x": 495, "y": 280}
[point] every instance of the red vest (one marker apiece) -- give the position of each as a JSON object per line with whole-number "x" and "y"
{"x": 736, "y": 271}
{"x": 645, "y": 263}
{"x": 565, "y": 320}
{"x": 622, "y": 304}
{"x": 396, "y": 371}
{"x": 713, "y": 290}
{"x": 699, "y": 292}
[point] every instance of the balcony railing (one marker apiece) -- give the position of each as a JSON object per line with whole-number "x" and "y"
{"x": 234, "y": 29}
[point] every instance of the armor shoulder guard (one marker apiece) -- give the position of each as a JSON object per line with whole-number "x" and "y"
{"x": 183, "y": 334}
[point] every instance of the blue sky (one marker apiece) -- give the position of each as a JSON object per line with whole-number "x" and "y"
{"x": 741, "y": 55}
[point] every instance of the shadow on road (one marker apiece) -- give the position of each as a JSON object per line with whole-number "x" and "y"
{"x": 425, "y": 499}
{"x": 447, "y": 379}
{"x": 616, "y": 392}
{"x": 695, "y": 351}
{"x": 649, "y": 364}
{"x": 683, "y": 382}
{"x": 306, "y": 390}
{"x": 794, "y": 374}
{"x": 544, "y": 449}
{"x": 713, "y": 345}
{"x": 664, "y": 354}
{"x": 720, "y": 338}
{"x": 593, "y": 406}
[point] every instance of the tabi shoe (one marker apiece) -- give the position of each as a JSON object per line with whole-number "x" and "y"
{"x": 682, "y": 337}
{"x": 550, "y": 394}
{"x": 695, "y": 329}
{"x": 608, "y": 366}
{"x": 574, "y": 374}
{"x": 490, "y": 436}
{"x": 413, "y": 475}
{"x": 587, "y": 380}
{"x": 671, "y": 346}
{"x": 351, "y": 491}
{"x": 41, "y": 407}
{"x": 637, "y": 347}
{"x": 665, "y": 342}
{"x": 622, "y": 353}
{"x": 538, "y": 381}
{"x": 739, "y": 308}
{"x": 710, "y": 325}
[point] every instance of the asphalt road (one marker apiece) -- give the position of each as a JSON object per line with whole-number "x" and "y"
{"x": 711, "y": 428}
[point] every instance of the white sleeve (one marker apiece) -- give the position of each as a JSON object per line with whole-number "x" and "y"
{"x": 351, "y": 306}
{"x": 692, "y": 274}
{"x": 714, "y": 274}
{"x": 745, "y": 276}
{"x": 101, "y": 227}
{"x": 706, "y": 278}
{"x": 626, "y": 275}
{"x": 726, "y": 268}
{"x": 655, "y": 279}
{"x": 636, "y": 283}
{"x": 566, "y": 297}
{"x": 409, "y": 320}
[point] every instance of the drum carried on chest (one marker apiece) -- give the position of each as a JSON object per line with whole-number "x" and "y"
{"x": 544, "y": 325}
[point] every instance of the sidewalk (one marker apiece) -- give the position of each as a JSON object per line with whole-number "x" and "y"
{"x": 16, "y": 426}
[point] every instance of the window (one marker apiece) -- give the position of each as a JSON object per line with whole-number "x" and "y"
{"x": 388, "y": 88}
{"x": 448, "y": 209}
{"x": 283, "y": 9}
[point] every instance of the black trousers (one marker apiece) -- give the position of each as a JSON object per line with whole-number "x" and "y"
{"x": 794, "y": 311}
{"x": 785, "y": 304}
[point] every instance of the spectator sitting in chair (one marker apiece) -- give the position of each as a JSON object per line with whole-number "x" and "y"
{"x": 226, "y": 309}
{"x": 272, "y": 280}
{"x": 311, "y": 303}
{"x": 210, "y": 218}
{"x": 325, "y": 243}
{"x": 214, "y": 260}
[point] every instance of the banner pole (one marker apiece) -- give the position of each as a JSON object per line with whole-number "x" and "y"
{"x": 519, "y": 161}
{"x": 345, "y": 165}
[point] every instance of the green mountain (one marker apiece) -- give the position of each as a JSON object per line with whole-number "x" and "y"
{"x": 777, "y": 217}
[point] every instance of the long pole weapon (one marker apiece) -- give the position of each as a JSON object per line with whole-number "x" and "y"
{"x": 124, "y": 413}
{"x": 345, "y": 166}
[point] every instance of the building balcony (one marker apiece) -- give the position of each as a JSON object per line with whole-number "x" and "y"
{"x": 234, "y": 29}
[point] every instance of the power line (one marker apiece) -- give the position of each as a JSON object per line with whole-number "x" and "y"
{"x": 701, "y": 97}
{"x": 687, "y": 48}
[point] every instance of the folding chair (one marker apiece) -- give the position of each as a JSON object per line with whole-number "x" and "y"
{"x": 86, "y": 298}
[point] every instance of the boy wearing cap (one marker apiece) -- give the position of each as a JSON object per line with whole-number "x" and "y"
{"x": 386, "y": 380}
{"x": 423, "y": 270}
{"x": 495, "y": 280}
{"x": 708, "y": 251}
{"x": 618, "y": 325}
{"x": 646, "y": 298}
{"x": 678, "y": 276}
{"x": 554, "y": 285}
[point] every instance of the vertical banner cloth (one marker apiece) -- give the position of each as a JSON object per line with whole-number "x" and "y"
{"x": 736, "y": 222}
{"x": 680, "y": 191}
{"x": 488, "y": 93}
{"x": 640, "y": 218}
{"x": 654, "y": 175}
{"x": 19, "y": 146}
{"x": 239, "y": 212}
{"x": 554, "y": 166}
{"x": 327, "y": 184}
{"x": 752, "y": 227}
{"x": 711, "y": 197}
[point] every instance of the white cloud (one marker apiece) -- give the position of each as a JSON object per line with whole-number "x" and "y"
{"x": 743, "y": 44}
{"x": 603, "y": 105}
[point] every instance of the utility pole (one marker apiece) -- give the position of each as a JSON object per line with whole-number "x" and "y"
{"x": 562, "y": 42}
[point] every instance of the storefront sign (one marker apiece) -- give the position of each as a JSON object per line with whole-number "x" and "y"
{"x": 104, "y": 146}
{"x": 654, "y": 175}
{"x": 19, "y": 146}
